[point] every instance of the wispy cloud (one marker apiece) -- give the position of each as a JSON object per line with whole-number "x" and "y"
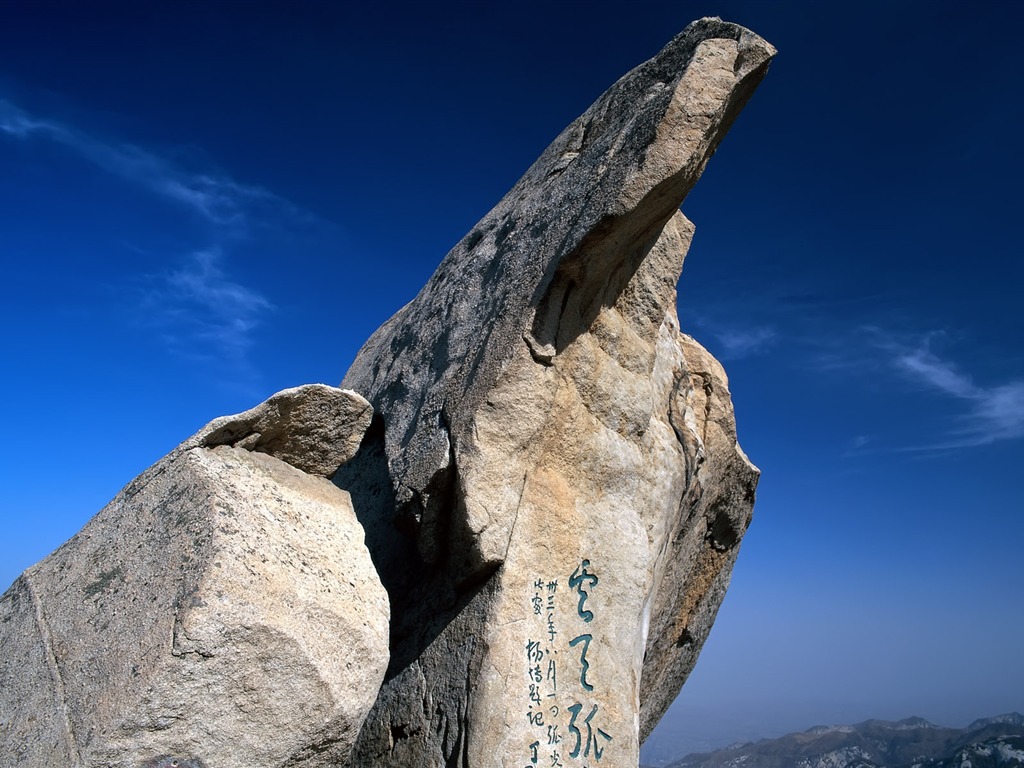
{"x": 215, "y": 196}
{"x": 203, "y": 313}
{"x": 14, "y": 122}
{"x": 992, "y": 413}
{"x": 198, "y": 310}
{"x": 923, "y": 365}
{"x": 744, "y": 342}
{"x": 736, "y": 334}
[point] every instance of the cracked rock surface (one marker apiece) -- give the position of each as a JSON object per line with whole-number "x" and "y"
{"x": 198, "y": 617}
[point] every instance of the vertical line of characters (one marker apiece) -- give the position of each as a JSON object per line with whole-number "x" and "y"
{"x": 583, "y": 580}
{"x": 542, "y": 677}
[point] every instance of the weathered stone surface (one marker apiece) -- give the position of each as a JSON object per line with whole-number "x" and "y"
{"x": 552, "y": 490}
{"x": 717, "y": 502}
{"x": 221, "y": 611}
{"x": 314, "y": 428}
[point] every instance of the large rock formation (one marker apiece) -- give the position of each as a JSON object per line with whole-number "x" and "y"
{"x": 548, "y": 483}
{"x": 561, "y": 458}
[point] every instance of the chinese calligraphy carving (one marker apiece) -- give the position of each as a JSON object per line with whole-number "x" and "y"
{"x": 585, "y": 739}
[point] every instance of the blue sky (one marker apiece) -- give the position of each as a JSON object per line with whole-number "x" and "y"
{"x": 201, "y": 204}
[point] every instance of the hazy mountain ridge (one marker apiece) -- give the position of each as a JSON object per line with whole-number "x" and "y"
{"x": 995, "y": 742}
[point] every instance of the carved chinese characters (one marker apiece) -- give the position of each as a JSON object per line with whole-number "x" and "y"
{"x": 566, "y": 723}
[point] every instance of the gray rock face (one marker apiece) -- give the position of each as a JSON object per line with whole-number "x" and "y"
{"x": 552, "y": 490}
{"x": 222, "y": 610}
{"x": 315, "y": 428}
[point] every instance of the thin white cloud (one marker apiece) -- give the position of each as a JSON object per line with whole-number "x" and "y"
{"x": 859, "y": 441}
{"x": 203, "y": 313}
{"x": 1001, "y": 410}
{"x": 745, "y": 342}
{"x": 925, "y": 366}
{"x": 197, "y": 309}
{"x": 992, "y": 413}
{"x": 216, "y": 197}
{"x": 734, "y": 340}
{"x": 14, "y": 122}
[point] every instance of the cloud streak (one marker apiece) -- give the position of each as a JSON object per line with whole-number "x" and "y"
{"x": 203, "y": 313}
{"x": 738, "y": 343}
{"x": 197, "y": 309}
{"x": 734, "y": 339}
{"x": 216, "y": 197}
{"x": 993, "y": 413}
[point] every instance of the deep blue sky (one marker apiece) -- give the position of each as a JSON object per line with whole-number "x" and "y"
{"x": 203, "y": 203}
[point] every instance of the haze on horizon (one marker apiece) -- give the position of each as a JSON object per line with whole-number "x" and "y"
{"x": 204, "y": 206}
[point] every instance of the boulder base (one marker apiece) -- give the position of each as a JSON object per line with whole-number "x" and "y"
{"x": 221, "y": 610}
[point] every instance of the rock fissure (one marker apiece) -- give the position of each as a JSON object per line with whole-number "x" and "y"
{"x": 46, "y": 638}
{"x": 515, "y": 515}
{"x": 708, "y": 394}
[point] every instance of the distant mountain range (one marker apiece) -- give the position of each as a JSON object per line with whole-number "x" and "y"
{"x": 994, "y": 742}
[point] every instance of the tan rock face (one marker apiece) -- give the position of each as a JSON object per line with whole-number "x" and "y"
{"x": 222, "y": 610}
{"x": 553, "y": 493}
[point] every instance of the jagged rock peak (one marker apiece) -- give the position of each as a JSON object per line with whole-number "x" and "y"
{"x": 609, "y": 183}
